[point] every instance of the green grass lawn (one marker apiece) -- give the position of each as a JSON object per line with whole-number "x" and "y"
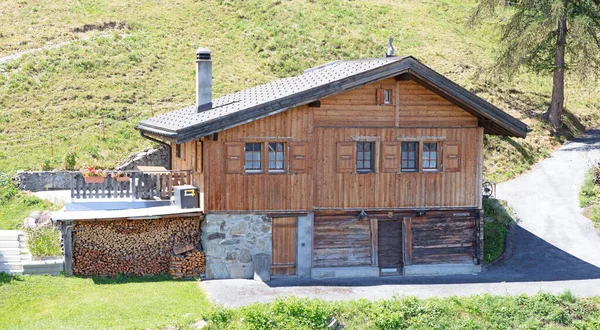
{"x": 44, "y": 302}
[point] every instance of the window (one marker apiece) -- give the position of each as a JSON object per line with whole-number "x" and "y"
{"x": 430, "y": 161}
{"x": 276, "y": 156}
{"x": 253, "y": 157}
{"x": 178, "y": 150}
{"x": 387, "y": 96}
{"x": 409, "y": 156}
{"x": 364, "y": 156}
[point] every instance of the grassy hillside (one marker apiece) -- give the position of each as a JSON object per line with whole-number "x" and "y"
{"x": 125, "y": 61}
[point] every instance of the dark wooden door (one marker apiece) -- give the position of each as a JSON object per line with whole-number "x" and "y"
{"x": 283, "y": 261}
{"x": 389, "y": 250}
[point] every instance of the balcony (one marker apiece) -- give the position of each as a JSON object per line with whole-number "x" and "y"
{"x": 138, "y": 186}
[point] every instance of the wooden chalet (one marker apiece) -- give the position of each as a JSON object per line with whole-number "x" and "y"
{"x": 364, "y": 167}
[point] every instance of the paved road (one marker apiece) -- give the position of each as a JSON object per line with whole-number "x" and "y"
{"x": 552, "y": 249}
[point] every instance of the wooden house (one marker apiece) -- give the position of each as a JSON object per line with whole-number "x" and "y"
{"x": 353, "y": 168}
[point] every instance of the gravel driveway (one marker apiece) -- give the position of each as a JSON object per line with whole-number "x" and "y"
{"x": 554, "y": 248}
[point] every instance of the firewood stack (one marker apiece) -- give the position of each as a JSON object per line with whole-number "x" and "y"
{"x": 133, "y": 247}
{"x": 189, "y": 264}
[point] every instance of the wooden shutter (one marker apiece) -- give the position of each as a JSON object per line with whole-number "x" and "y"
{"x": 234, "y": 157}
{"x": 390, "y": 157}
{"x": 451, "y": 154}
{"x": 346, "y": 157}
{"x": 298, "y": 157}
{"x": 380, "y": 97}
{"x": 198, "y": 154}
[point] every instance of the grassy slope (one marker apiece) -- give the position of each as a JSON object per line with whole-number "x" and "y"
{"x": 43, "y": 302}
{"x": 145, "y": 65}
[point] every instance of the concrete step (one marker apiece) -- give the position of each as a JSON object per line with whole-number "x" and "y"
{"x": 10, "y": 258}
{"x": 48, "y": 266}
{"x": 12, "y": 272}
{"x": 10, "y": 251}
{"x": 9, "y": 244}
{"x": 11, "y": 235}
{"x": 10, "y": 266}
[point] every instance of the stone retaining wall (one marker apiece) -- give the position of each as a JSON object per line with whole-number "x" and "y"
{"x": 45, "y": 180}
{"x": 231, "y": 240}
{"x": 148, "y": 157}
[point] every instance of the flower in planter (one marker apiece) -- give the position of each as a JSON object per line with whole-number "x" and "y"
{"x": 92, "y": 172}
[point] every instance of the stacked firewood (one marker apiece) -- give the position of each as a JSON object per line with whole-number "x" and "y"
{"x": 130, "y": 247}
{"x": 189, "y": 264}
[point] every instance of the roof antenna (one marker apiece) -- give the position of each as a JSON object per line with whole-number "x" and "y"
{"x": 390, "y": 51}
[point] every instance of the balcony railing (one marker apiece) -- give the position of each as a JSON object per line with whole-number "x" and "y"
{"x": 139, "y": 185}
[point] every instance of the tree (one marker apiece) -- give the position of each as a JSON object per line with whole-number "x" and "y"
{"x": 549, "y": 36}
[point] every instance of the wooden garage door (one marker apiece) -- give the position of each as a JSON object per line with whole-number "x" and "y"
{"x": 389, "y": 245}
{"x": 284, "y": 246}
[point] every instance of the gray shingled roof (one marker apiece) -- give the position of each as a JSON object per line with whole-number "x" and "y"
{"x": 264, "y": 100}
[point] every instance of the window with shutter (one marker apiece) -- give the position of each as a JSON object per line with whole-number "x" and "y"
{"x": 298, "y": 157}
{"x": 345, "y": 157}
{"x": 390, "y": 156}
{"x": 234, "y": 157}
{"x": 452, "y": 157}
{"x": 384, "y": 96}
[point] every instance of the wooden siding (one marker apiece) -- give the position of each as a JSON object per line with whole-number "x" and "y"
{"x": 260, "y": 191}
{"x": 314, "y": 181}
{"x": 444, "y": 238}
{"x": 341, "y": 240}
{"x": 399, "y": 189}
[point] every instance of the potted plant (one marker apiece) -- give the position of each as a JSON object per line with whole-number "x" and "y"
{"x": 121, "y": 176}
{"x": 93, "y": 175}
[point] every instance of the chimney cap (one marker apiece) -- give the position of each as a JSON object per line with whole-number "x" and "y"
{"x": 203, "y": 53}
{"x": 390, "y": 51}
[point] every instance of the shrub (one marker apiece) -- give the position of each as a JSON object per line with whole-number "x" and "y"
{"x": 589, "y": 190}
{"x": 47, "y": 165}
{"x": 70, "y": 161}
{"x": 499, "y": 216}
{"x": 44, "y": 242}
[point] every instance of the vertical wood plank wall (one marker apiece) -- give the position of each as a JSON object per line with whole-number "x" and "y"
{"x": 417, "y": 113}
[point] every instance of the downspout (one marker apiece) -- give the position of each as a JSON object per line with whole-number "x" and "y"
{"x": 160, "y": 142}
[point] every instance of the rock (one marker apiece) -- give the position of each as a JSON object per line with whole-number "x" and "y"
{"x": 214, "y": 236}
{"x": 245, "y": 256}
{"x": 232, "y": 256}
{"x": 37, "y": 219}
{"x": 235, "y": 271}
{"x": 198, "y": 325}
{"x": 230, "y": 241}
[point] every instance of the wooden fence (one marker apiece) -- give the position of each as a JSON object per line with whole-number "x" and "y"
{"x": 139, "y": 186}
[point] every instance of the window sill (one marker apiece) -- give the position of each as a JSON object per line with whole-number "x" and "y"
{"x": 277, "y": 172}
{"x": 253, "y": 172}
{"x": 365, "y": 172}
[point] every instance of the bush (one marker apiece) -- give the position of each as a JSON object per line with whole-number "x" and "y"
{"x": 589, "y": 190}
{"x": 499, "y": 216}
{"x": 70, "y": 161}
{"x": 44, "y": 242}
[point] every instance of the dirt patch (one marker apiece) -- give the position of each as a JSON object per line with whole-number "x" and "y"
{"x": 103, "y": 26}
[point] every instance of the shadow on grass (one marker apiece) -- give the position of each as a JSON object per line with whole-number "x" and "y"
{"x": 7, "y": 279}
{"x": 126, "y": 279}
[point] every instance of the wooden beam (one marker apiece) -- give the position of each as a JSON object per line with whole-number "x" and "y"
{"x": 407, "y": 235}
{"x": 374, "y": 245}
{"x": 403, "y": 77}
{"x": 315, "y": 104}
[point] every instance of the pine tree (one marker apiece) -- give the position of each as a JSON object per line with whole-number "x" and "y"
{"x": 549, "y": 36}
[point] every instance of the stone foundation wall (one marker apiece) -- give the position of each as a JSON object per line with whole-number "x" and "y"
{"x": 148, "y": 157}
{"x": 231, "y": 240}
